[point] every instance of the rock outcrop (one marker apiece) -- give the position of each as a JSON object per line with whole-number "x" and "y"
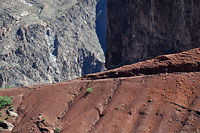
{"x": 144, "y": 29}
{"x": 139, "y": 98}
{"x": 183, "y": 62}
{"x": 48, "y": 41}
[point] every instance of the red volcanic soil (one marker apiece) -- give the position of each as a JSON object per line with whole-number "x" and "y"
{"x": 159, "y": 95}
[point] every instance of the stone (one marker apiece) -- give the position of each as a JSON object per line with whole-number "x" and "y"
{"x": 6, "y": 126}
{"x": 46, "y": 42}
{"x": 12, "y": 114}
{"x": 144, "y": 29}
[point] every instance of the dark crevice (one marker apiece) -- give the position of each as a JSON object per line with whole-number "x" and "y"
{"x": 197, "y": 112}
{"x": 56, "y": 44}
{"x": 20, "y": 33}
{"x": 184, "y": 122}
{"x": 86, "y": 94}
{"x": 19, "y": 51}
{"x": 119, "y": 82}
{"x": 178, "y": 105}
{"x": 3, "y": 125}
{"x": 101, "y": 115}
{"x": 189, "y": 110}
{"x": 34, "y": 65}
{"x": 48, "y": 33}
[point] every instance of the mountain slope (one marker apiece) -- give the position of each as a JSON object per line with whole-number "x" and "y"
{"x": 45, "y": 41}
{"x": 141, "y": 102}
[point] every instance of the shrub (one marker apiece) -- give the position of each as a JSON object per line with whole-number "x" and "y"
{"x": 43, "y": 120}
{"x": 89, "y": 90}
{"x": 57, "y": 130}
{"x": 4, "y": 102}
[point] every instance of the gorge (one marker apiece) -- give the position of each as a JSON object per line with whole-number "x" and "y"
{"x": 53, "y": 55}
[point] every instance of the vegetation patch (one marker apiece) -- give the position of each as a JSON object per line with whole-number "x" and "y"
{"x": 43, "y": 120}
{"x": 5, "y": 101}
{"x": 57, "y": 130}
{"x": 89, "y": 90}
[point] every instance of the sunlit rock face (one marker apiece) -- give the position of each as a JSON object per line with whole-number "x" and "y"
{"x": 142, "y": 29}
{"x": 45, "y": 41}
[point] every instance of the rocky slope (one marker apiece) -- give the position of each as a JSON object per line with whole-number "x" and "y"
{"x": 142, "y": 97}
{"x": 142, "y": 29}
{"x": 45, "y": 41}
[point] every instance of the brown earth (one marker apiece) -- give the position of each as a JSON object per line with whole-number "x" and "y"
{"x": 143, "y": 97}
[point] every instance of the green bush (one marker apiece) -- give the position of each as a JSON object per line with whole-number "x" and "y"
{"x": 57, "y": 130}
{"x": 4, "y": 102}
{"x": 43, "y": 120}
{"x": 89, "y": 90}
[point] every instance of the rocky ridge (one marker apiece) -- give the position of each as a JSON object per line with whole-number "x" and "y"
{"x": 45, "y": 41}
{"x": 142, "y": 97}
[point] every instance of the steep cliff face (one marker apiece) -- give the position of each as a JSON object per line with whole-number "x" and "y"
{"x": 140, "y": 30}
{"x": 47, "y": 41}
{"x": 101, "y": 22}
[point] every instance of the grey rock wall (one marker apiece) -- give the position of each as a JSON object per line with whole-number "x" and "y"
{"x": 142, "y": 29}
{"x": 45, "y": 41}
